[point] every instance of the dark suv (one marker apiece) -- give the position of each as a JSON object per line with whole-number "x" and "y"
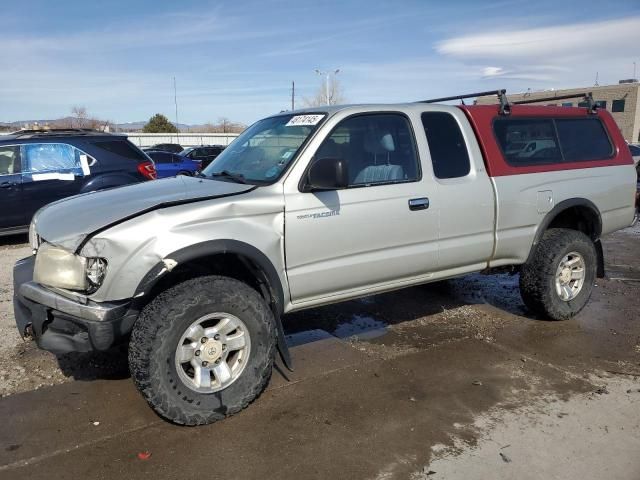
{"x": 164, "y": 147}
{"x": 205, "y": 154}
{"x": 38, "y": 167}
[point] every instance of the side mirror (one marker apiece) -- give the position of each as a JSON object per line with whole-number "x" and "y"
{"x": 326, "y": 174}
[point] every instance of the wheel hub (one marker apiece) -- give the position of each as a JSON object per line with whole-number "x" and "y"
{"x": 565, "y": 276}
{"x": 570, "y": 276}
{"x": 211, "y": 350}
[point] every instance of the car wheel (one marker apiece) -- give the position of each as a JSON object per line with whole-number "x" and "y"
{"x": 203, "y": 350}
{"x": 557, "y": 282}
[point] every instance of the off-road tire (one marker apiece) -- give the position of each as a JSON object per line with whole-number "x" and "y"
{"x": 158, "y": 329}
{"x": 537, "y": 276}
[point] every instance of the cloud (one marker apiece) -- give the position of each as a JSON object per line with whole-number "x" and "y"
{"x": 572, "y": 40}
{"x": 493, "y": 71}
{"x": 562, "y": 55}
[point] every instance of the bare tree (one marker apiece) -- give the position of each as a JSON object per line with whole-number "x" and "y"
{"x": 335, "y": 92}
{"x": 223, "y": 125}
{"x": 79, "y": 117}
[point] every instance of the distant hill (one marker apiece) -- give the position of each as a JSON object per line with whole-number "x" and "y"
{"x": 123, "y": 127}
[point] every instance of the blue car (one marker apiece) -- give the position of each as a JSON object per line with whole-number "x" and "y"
{"x": 172, "y": 164}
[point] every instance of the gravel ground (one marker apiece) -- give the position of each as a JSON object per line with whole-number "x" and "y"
{"x": 23, "y": 367}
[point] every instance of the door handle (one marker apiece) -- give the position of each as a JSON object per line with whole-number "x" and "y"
{"x": 8, "y": 184}
{"x": 419, "y": 203}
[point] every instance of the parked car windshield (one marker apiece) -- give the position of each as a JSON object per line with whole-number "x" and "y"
{"x": 264, "y": 151}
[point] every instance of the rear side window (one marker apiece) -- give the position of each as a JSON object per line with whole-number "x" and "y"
{"x": 161, "y": 157}
{"x": 536, "y": 141}
{"x": 448, "y": 149}
{"x": 583, "y": 139}
{"x": 50, "y": 157}
{"x": 122, "y": 148}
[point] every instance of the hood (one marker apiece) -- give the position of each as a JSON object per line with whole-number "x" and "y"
{"x": 67, "y": 223}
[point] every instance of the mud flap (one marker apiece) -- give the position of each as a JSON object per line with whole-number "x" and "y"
{"x": 283, "y": 349}
{"x": 600, "y": 273}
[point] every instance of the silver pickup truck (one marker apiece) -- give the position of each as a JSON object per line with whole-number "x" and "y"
{"x": 313, "y": 207}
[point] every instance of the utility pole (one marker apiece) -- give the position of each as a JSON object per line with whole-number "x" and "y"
{"x": 326, "y": 81}
{"x": 293, "y": 95}
{"x": 175, "y": 100}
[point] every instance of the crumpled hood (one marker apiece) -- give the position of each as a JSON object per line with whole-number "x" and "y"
{"x": 68, "y": 222}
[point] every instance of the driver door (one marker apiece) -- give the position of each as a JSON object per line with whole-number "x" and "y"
{"x": 379, "y": 231}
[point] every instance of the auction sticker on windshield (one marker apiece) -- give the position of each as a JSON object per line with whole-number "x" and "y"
{"x": 300, "y": 120}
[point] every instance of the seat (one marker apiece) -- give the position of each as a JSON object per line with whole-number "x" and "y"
{"x": 6, "y": 164}
{"x": 380, "y": 146}
{"x": 380, "y": 173}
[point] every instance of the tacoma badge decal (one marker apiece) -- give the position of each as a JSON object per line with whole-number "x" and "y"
{"x": 328, "y": 213}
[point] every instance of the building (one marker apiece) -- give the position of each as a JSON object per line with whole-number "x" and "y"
{"x": 622, "y": 100}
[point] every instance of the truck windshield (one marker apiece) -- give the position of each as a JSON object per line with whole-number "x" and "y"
{"x": 264, "y": 151}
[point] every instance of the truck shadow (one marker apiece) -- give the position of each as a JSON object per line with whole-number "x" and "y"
{"x": 368, "y": 314}
{"x": 364, "y": 318}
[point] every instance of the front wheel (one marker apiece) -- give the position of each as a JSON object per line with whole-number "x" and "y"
{"x": 558, "y": 280}
{"x": 203, "y": 350}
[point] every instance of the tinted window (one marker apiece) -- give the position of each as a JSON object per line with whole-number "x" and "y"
{"x": 583, "y": 139}
{"x": 601, "y": 104}
{"x": 378, "y": 148}
{"x": 122, "y": 148}
{"x": 635, "y": 151}
{"x": 617, "y": 106}
{"x": 448, "y": 149}
{"x": 527, "y": 141}
{"x": 577, "y": 139}
{"x": 50, "y": 157}
{"x": 160, "y": 157}
{"x": 9, "y": 160}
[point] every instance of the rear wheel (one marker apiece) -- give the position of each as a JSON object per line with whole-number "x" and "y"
{"x": 184, "y": 172}
{"x": 557, "y": 282}
{"x": 203, "y": 350}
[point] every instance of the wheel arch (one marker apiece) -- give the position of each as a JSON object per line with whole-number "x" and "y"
{"x": 231, "y": 258}
{"x": 221, "y": 255}
{"x": 578, "y": 214}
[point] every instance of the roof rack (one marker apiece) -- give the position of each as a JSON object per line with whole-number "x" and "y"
{"x": 592, "y": 106}
{"x": 505, "y": 108}
{"x": 57, "y": 131}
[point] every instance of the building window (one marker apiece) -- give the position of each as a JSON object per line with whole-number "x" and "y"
{"x": 601, "y": 104}
{"x": 617, "y": 106}
{"x": 583, "y": 104}
{"x": 567, "y": 104}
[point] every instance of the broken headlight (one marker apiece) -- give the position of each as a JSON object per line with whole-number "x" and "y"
{"x": 57, "y": 267}
{"x": 96, "y": 270}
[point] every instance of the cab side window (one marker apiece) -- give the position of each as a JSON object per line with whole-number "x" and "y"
{"x": 378, "y": 149}
{"x": 9, "y": 160}
{"x": 50, "y": 157}
{"x": 448, "y": 149}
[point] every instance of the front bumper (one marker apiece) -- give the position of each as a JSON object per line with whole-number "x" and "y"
{"x": 61, "y": 323}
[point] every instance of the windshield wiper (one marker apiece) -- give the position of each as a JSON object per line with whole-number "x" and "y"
{"x": 236, "y": 177}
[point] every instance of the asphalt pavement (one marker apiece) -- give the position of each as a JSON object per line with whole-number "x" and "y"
{"x": 452, "y": 380}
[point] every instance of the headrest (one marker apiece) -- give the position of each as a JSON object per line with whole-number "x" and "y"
{"x": 377, "y": 142}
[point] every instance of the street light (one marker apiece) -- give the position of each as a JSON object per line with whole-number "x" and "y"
{"x": 326, "y": 81}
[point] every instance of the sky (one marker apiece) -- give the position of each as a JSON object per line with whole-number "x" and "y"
{"x": 237, "y": 59}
